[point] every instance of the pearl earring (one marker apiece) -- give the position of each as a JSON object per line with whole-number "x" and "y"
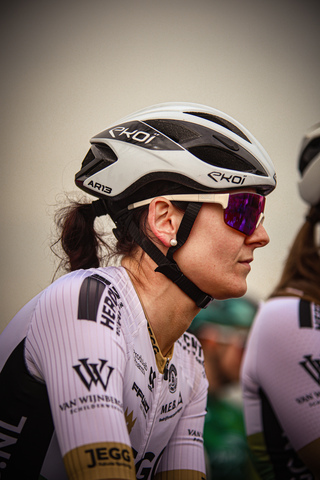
{"x": 173, "y": 242}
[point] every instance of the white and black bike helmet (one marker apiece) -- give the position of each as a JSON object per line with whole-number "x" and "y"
{"x": 198, "y": 147}
{"x": 309, "y": 166}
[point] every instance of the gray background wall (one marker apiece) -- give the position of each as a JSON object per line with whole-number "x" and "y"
{"x": 68, "y": 69}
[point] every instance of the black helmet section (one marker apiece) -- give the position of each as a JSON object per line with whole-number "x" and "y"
{"x": 98, "y": 158}
{"x": 211, "y": 147}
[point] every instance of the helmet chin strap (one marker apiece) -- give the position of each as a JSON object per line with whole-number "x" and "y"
{"x": 166, "y": 264}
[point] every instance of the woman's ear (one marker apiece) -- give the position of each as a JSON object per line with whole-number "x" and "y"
{"x": 164, "y": 220}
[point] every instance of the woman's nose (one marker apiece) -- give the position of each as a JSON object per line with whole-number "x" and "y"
{"x": 259, "y": 236}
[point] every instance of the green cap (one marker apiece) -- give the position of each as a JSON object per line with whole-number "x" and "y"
{"x": 233, "y": 312}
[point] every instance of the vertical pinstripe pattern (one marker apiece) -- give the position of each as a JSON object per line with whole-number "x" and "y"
{"x": 87, "y": 341}
{"x": 280, "y": 377}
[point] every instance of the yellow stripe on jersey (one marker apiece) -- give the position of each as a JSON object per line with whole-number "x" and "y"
{"x": 180, "y": 475}
{"x": 100, "y": 460}
{"x": 260, "y": 456}
{"x": 160, "y": 359}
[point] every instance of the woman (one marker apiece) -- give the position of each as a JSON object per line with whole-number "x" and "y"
{"x": 102, "y": 352}
{"x": 280, "y": 373}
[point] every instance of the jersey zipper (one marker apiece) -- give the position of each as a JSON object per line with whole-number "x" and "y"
{"x": 166, "y": 370}
{"x": 163, "y": 378}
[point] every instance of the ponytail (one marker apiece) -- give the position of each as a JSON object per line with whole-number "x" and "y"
{"x": 302, "y": 267}
{"x": 80, "y": 243}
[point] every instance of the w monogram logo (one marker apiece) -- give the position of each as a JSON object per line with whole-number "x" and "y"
{"x": 90, "y": 373}
{"x": 312, "y": 366}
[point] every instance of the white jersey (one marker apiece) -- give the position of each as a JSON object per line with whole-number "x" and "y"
{"x": 281, "y": 386}
{"x": 82, "y": 374}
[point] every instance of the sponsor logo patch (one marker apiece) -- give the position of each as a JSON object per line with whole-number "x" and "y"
{"x": 143, "y": 404}
{"x": 173, "y": 380}
{"x": 130, "y": 421}
{"x": 171, "y": 408}
{"x": 104, "y": 460}
{"x": 94, "y": 373}
{"x": 140, "y": 363}
{"x": 91, "y": 292}
{"x": 312, "y": 367}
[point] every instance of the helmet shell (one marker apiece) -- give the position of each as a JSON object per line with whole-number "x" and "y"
{"x": 191, "y": 144}
{"x": 309, "y": 166}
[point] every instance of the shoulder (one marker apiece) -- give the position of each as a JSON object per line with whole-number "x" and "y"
{"x": 94, "y": 295}
{"x": 190, "y": 347}
{"x": 287, "y": 313}
{"x": 82, "y": 310}
{"x": 275, "y": 322}
{"x": 96, "y": 276}
{"x": 191, "y": 356}
{"x": 285, "y": 330}
{"x": 86, "y": 287}
{"x": 309, "y": 315}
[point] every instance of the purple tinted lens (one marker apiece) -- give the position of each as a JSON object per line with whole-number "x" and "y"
{"x": 243, "y": 211}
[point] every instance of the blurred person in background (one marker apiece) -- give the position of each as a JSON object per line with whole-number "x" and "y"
{"x": 281, "y": 369}
{"x": 222, "y": 329}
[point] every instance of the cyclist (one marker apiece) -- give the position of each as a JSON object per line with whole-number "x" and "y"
{"x": 280, "y": 372}
{"x": 99, "y": 365}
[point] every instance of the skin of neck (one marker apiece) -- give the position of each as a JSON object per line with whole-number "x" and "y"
{"x": 168, "y": 309}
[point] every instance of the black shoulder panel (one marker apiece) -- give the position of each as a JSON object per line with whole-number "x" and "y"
{"x": 90, "y": 295}
{"x": 305, "y": 317}
{"x": 26, "y": 425}
{"x": 284, "y": 459}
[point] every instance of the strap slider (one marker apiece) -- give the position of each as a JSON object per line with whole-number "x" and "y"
{"x": 172, "y": 271}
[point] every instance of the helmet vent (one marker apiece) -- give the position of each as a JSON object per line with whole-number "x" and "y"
{"x": 102, "y": 151}
{"x": 222, "y": 122}
{"x": 87, "y": 159}
{"x": 174, "y": 130}
{"x": 224, "y": 159}
{"x": 98, "y": 157}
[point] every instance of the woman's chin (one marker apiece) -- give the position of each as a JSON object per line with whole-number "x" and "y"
{"x": 231, "y": 293}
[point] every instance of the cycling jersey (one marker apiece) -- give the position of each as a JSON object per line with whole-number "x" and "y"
{"x": 82, "y": 374}
{"x": 281, "y": 386}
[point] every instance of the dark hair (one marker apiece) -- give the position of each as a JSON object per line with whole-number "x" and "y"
{"x": 302, "y": 268}
{"x": 80, "y": 245}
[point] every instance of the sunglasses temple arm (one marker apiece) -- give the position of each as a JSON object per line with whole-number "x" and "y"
{"x": 260, "y": 219}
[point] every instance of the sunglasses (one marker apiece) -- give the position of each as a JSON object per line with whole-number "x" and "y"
{"x": 243, "y": 211}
